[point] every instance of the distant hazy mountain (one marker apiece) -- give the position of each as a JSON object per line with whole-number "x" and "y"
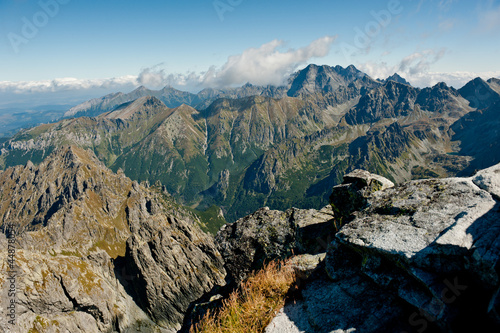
{"x": 396, "y": 78}
{"x": 171, "y": 97}
{"x": 14, "y": 118}
{"x": 279, "y": 146}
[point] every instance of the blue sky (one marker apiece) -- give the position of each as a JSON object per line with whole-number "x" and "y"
{"x": 93, "y": 47}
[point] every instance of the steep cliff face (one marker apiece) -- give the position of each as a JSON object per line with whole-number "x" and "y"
{"x": 479, "y": 135}
{"x": 388, "y": 101}
{"x": 98, "y": 252}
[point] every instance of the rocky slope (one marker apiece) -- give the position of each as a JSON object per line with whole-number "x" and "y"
{"x": 479, "y": 135}
{"x": 97, "y": 252}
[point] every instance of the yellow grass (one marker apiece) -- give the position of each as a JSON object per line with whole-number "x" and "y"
{"x": 252, "y": 307}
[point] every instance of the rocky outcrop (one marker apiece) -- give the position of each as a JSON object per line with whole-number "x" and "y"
{"x": 354, "y": 192}
{"x": 268, "y": 234}
{"x": 419, "y": 257}
{"x": 172, "y": 267}
{"x": 97, "y": 252}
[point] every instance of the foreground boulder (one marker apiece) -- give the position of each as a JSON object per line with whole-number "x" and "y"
{"x": 353, "y": 193}
{"x": 419, "y": 257}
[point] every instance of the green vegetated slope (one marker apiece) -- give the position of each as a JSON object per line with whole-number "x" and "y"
{"x": 246, "y": 152}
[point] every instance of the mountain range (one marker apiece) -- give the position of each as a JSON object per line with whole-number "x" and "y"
{"x": 106, "y": 216}
{"x": 244, "y": 148}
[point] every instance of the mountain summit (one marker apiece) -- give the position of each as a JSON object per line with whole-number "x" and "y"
{"x": 323, "y": 79}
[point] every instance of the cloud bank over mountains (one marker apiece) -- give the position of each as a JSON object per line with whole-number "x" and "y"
{"x": 269, "y": 64}
{"x": 264, "y": 65}
{"x": 416, "y": 69}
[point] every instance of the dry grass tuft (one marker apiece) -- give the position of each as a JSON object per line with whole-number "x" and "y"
{"x": 252, "y": 307}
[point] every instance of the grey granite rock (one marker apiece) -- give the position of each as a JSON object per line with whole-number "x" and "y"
{"x": 353, "y": 193}
{"x": 270, "y": 234}
{"x": 419, "y": 257}
{"x": 247, "y": 243}
{"x": 172, "y": 268}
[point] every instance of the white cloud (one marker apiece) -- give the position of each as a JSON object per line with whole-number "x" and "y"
{"x": 65, "y": 84}
{"x": 455, "y": 79}
{"x": 420, "y": 62}
{"x": 415, "y": 68}
{"x": 267, "y": 64}
{"x": 153, "y": 77}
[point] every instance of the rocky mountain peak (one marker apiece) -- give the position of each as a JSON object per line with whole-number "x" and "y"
{"x": 113, "y": 253}
{"x": 440, "y": 85}
{"x": 83, "y": 108}
{"x": 494, "y": 84}
{"x": 140, "y": 90}
{"x": 322, "y": 79}
{"x": 396, "y": 78}
{"x": 479, "y": 93}
{"x": 146, "y": 104}
{"x": 391, "y": 100}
